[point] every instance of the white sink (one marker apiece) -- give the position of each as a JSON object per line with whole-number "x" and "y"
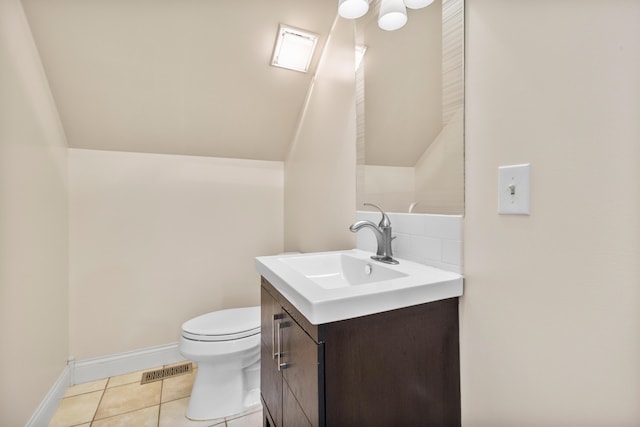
{"x": 330, "y": 286}
{"x": 339, "y": 269}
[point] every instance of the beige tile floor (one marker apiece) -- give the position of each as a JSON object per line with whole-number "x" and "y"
{"x": 122, "y": 402}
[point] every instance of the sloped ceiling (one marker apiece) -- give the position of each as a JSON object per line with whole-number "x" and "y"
{"x": 175, "y": 76}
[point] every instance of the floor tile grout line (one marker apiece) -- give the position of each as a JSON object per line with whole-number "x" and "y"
{"x": 126, "y": 412}
{"x": 86, "y": 392}
{"x": 82, "y": 394}
{"x": 160, "y": 404}
{"x": 93, "y": 418}
{"x": 132, "y": 382}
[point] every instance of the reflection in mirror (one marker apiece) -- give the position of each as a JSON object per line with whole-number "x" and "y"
{"x": 410, "y": 103}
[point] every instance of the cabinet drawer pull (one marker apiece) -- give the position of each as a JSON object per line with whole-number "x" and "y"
{"x": 274, "y": 320}
{"x": 281, "y": 365}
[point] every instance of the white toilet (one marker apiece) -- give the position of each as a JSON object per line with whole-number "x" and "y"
{"x": 225, "y": 345}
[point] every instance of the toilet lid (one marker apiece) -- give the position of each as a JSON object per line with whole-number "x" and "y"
{"x": 223, "y": 325}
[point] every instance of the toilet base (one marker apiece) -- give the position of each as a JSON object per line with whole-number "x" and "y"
{"x": 217, "y": 394}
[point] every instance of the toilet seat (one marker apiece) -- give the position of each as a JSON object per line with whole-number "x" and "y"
{"x": 223, "y": 325}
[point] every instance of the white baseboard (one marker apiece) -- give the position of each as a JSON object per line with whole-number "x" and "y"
{"x": 49, "y": 404}
{"x": 123, "y": 363}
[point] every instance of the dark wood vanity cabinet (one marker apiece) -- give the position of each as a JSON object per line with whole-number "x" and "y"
{"x": 291, "y": 368}
{"x": 396, "y": 368}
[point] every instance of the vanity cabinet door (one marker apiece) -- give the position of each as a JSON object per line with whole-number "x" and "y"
{"x": 270, "y": 376}
{"x": 301, "y": 367}
{"x": 291, "y": 369}
{"x": 292, "y": 413}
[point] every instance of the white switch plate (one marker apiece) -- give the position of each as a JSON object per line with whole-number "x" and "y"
{"x": 514, "y": 189}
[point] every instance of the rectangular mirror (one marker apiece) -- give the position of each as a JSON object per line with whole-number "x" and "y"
{"x": 410, "y": 106}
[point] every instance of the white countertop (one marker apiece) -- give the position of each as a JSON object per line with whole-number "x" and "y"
{"x": 411, "y": 283}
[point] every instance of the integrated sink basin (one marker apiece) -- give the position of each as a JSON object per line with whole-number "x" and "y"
{"x": 330, "y": 286}
{"x": 339, "y": 269}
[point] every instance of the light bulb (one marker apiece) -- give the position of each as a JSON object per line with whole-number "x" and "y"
{"x": 352, "y": 9}
{"x": 393, "y": 15}
{"x": 417, "y": 4}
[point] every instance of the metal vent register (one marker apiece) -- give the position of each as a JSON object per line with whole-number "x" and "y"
{"x": 160, "y": 374}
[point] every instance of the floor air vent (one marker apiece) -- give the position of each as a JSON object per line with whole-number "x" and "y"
{"x": 160, "y": 374}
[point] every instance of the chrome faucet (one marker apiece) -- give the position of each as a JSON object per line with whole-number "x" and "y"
{"x": 383, "y": 236}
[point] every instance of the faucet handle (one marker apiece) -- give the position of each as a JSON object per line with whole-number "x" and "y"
{"x": 384, "y": 222}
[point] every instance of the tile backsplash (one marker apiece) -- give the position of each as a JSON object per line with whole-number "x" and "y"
{"x": 434, "y": 240}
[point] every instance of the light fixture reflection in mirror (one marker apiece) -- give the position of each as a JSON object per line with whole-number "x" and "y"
{"x": 353, "y": 9}
{"x": 392, "y": 13}
{"x": 410, "y": 111}
{"x": 417, "y": 4}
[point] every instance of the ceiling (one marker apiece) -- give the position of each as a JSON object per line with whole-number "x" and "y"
{"x": 176, "y": 76}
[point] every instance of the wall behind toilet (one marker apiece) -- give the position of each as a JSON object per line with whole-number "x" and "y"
{"x": 157, "y": 239}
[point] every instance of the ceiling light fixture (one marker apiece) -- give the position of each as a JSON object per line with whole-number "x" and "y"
{"x": 294, "y": 48}
{"x": 393, "y": 13}
{"x": 417, "y": 4}
{"x": 352, "y": 9}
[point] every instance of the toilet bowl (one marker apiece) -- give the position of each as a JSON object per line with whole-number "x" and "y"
{"x": 225, "y": 345}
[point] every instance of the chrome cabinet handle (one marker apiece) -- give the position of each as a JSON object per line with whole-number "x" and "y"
{"x": 274, "y": 320}
{"x": 281, "y": 365}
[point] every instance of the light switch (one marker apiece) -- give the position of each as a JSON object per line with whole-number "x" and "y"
{"x": 514, "y": 189}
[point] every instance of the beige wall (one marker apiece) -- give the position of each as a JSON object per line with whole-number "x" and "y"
{"x": 402, "y": 86}
{"x": 320, "y": 171}
{"x": 33, "y": 225}
{"x": 390, "y": 187}
{"x": 550, "y": 318}
{"x": 439, "y": 173}
{"x": 436, "y": 181}
{"x": 157, "y": 239}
